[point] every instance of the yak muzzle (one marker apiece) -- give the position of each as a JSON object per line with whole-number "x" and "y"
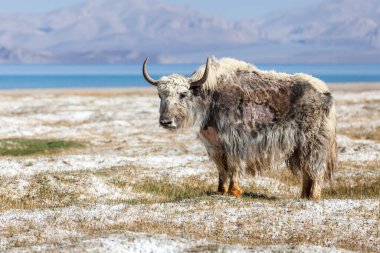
{"x": 168, "y": 123}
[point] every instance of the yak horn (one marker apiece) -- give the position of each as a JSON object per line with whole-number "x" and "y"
{"x": 146, "y": 75}
{"x": 204, "y": 77}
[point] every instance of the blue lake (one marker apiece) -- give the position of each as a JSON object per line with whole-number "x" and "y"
{"x": 80, "y": 76}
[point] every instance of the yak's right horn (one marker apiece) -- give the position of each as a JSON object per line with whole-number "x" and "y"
{"x": 146, "y": 75}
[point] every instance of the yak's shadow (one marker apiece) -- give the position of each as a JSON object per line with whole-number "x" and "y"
{"x": 254, "y": 195}
{"x": 250, "y": 195}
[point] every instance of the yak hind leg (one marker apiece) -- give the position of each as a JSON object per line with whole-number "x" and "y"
{"x": 311, "y": 179}
{"x": 314, "y": 168}
{"x": 311, "y": 186}
{"x": 306, "y": 186}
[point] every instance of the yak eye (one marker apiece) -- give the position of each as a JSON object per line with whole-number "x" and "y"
{"x": 182, "y": 95}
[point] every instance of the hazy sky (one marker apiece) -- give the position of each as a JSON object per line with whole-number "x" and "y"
{"x": 230, "y": 9}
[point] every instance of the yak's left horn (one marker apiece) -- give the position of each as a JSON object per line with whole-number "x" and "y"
{"x": 146, "y": 75}
{"x": 204, "y": 77}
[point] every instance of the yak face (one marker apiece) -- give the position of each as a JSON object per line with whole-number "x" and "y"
{"x": 177, "y": 98}
{"x": 176, "y": 101}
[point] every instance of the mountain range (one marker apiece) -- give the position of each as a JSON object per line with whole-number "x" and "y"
{"x": 126, "y": 31}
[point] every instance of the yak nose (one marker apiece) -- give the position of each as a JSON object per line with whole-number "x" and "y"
{"x": 167, "y": 122}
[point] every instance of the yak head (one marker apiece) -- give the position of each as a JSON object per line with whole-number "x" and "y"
{"x": 178, "y": 98}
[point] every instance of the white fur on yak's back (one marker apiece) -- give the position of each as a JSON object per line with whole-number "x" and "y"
{"x": 228, "y": 66}
{"x": 218, "y": 68}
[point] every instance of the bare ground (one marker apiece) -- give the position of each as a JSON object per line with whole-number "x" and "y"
{"x": 136, "y": 188}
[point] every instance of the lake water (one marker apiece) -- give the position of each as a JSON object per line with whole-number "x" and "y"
{"x": 78, "y": 76}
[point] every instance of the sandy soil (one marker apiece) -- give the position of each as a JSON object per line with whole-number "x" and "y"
{"x": 95, "y": 198}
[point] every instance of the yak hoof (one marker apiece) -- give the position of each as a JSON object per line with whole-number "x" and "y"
{"x": 222, "y": 190}
{"x": 312, "y": 192}
{"x": 312, "y": 197}
{"x": 235, "y": 191}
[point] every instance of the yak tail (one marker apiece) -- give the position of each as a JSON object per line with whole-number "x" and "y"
{"x": 331, "y": 158}
{"x": 327, "y": 102}
{"x": 332, "y": 150}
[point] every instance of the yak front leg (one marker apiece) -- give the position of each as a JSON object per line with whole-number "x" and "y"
{"x": 215, "y": 150}
{"x": 222, "y": 185}
{"x": 220, "y": 160}
{"x": 234, "y": 188}
{"x": 234, "y": 169}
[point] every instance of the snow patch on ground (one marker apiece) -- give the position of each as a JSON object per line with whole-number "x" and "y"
{"x": 10, "y": 167}
{"x": 173, "y": 165}
{"x": 358, "y": 150}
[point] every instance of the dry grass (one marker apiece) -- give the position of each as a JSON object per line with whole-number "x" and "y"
{"x": 57, "y": 190}
{"x": 363, "y": 133}
{"x": 346, "y": 167}
{"x": 43, "y": 191}
{"x": 353, "y": 184}
{"x": 342, "y": 187}
{"x": 365, "y": 188}
{"x": 49, "y": 190}
{"x": 189, "y": 188}
{"x": 53, "y": 190}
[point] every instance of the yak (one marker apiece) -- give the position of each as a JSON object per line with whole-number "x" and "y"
{"x": 252, "y": 120}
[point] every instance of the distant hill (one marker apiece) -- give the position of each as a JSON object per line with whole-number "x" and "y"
{"x": 125, "y": 31}
{"x": 334, "y": 31}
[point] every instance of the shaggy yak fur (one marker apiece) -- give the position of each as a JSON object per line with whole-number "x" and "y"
{"x": 252, "y": 120}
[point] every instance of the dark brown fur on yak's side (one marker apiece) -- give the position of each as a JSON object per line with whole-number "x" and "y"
{"x": 254, "y": 120}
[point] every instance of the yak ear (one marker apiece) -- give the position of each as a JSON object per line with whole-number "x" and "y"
{"x": 196, "y": 90}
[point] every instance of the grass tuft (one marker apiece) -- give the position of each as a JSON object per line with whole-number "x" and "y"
{"x": 24, "y": 147}
{"x": 362, "y": 189}
{"x": 190, "y": 188}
